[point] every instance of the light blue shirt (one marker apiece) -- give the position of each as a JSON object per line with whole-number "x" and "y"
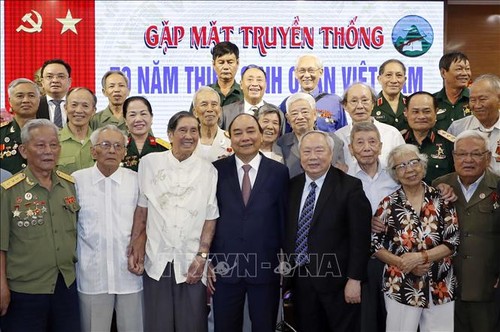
{"x": 307, "y": 187}
{"x": 468, "y": 192}
{"x": 4, "y": 175}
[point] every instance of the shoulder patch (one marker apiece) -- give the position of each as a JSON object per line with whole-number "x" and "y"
{"x": 446, "y": 135}
{"x": 163, "y": 143}
{"x": 4, "y": 123}
{"x": 65, "y": 176}
{"x": 12, "y": 181}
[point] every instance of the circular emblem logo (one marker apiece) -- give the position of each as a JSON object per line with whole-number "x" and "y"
{"x": 412, "y": 36}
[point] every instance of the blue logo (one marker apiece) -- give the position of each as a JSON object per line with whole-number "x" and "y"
{"x": 412, "y": 36}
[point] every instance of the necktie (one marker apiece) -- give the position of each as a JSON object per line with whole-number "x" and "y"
{"x": 57, "y": 113}
{"x": 254, "y": 110}
{"x": 304, "y": 225}
{"x": 246, "y": 187}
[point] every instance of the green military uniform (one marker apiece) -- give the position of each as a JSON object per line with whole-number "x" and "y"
{"x": 447, "y": 112}
{"x": 106, "y": 117}
{"x": 152, "y": 144}
{"x": 74, "y": 155}
{"x": 438, "y": 146}
{"x": 10, "y": 139}
{"x": 235, "y": 94}
{"x": 38, "y": 231}
{"x": 383, "y": 112}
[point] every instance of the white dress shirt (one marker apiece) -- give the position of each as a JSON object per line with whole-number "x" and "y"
{"x": 52, "y": 110}
{"x": 247, "y": 107}
{"x": 307, "y": 188}
{"x": 252, "y": 173}
{"x": 221, "y": 147}
{"x": 104, "y": 226}
{"x": 180, "y": 197}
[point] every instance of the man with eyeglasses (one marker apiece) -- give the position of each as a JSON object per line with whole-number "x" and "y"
{"x": 38, "y": 219}
{"x": 420, "y": 112}
{"x": 484, "y": 103}
{"x": 359, "y": 100}
{"x": 108, "y": 195}
{"x": 56, "y": 81}
{"x": 330, "y": 114}
{"x": 476, "y": 262}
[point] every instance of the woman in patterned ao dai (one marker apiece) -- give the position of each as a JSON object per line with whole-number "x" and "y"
{"x": 420, "y": 238}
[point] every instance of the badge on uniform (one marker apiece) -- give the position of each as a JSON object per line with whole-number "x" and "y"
{"x": 439, "y": 152}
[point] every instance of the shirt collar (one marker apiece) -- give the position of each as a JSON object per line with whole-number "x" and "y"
{"x": 473, "y": 186}
{"x": 97, "y": 176}
{"x": 319, "y": 181}
{"x": 255, "y": 162}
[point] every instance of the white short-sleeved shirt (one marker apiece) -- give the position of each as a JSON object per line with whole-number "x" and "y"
{"x": 221, "y": 147}
{"x": 104, "y": 227}
{"x": 179, "y": 197}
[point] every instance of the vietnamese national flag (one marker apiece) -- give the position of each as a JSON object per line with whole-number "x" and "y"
{"x": 36, "y": 31}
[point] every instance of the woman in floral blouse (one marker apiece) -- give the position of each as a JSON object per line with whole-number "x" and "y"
{"x": 420, "y": 238}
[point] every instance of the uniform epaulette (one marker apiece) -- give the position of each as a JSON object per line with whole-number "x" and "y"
{"x": 65, "y": 176}
{"x": 4, "y": 123}
{"x": 13, "y": 180}
{"x": 164, "y": 143}
{"x": 446, "y": 135}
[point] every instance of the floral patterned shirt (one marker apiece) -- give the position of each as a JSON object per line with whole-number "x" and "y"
{"x": 406, "y": 231}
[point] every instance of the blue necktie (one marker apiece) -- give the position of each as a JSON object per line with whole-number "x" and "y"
{"x": 57, "y": 113}
{"x": 303, "y": 227}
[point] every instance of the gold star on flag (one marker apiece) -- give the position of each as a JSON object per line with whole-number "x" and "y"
{"x": 69, "y": 23}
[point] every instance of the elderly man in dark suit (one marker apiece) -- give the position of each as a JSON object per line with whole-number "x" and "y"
{"x": 327, "y": 240}
{"x": 251, "y": 194}
{"x": 301, "y": 115}
{"x": 477, "y": 262}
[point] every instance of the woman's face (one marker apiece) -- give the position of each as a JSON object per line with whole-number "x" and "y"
{"x": 138, "y": 118}
{"x": 409, "y": 169}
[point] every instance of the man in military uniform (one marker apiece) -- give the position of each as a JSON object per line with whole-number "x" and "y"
{"x": 38, "y": 239}
{"x": 436, "y": 144}
{"x": 391, "y": 102}
{"x": 453, "y": 99}
{"x": 24, "y": 98}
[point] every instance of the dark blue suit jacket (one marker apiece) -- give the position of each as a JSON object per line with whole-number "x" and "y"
{"x": 248, "y": 238}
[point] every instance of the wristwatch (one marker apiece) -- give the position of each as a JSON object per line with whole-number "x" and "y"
{"x": 203, "y": 255}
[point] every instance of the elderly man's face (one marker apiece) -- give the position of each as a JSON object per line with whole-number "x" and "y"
{"x": 484, "y": 102}
{"x": 366, "y": 147}
{"x": 207, "y": 108}
{"x": 253, "y": 85}
{"x": 80, "y": 107}
{"x": 458, "y": 76}
{"x": 270, "y": 124}
{"x": 56, "y": 80}
{"x": 420, "y": 113}
{"x": 226, "y": 67}
{"x": 246, "y": 137}
{"x": 471, "y": 159}
{"x": 308, "y": 73}
{"x": 301, "y": 117}
{"x": 24, "y": 100}
{"x": 359, "y": 103}
{"x": 42, "y": 150}
{"x": 116, "y": 89}
{"x": 393, "y": 78}
{"x": 112, "y": 152}
{"x": 184, "y": 138}
{"x": 315, "y": 155}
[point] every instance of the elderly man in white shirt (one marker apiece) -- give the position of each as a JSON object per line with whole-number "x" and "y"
{"x": 484, "y": 102}
{"x": 358, "y": 100}
{"x": 177, "y": 210}
{"x": 108, "y": 195}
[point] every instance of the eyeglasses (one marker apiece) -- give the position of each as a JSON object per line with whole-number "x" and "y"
{"x": 310, "y": 70}
{"x": 474, "y": 155}
{"x": 60, "y": 77}
{"x": 107, "y": 145}
{"x": 355, "y": 102}
{"x": 409, "y": 164}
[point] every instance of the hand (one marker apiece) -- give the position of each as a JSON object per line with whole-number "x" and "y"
{"x": 421, "y": 269}
{"x": 211, "y": 278}
{"x": 195, "y": 271}
{"x": 352, "y": 291}
{"x": 4, "y": 297}
{"x": 377, "y": 225}
{"x": 409, "y": 261}
{"x": 343, "y": 167}
{"x": 446, "y": 192}
{"x": 135, "y": 263}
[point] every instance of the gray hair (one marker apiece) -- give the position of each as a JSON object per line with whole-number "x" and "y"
{"x": 23, "y": 80}
{"x": 205, "y": 89}
{"x": 300, "y": 96}
{"x": 111, "y": 72}
{"x": 401, "y": 150}
{"x": 328, "y": 138}
{"x": 34, "y": 124}
{"x": 346, "y": 92}
{"x": 364, "y": 126}
{"x": 492, "y": 79}
{"x": 317, "y": 60}
{"x": 471, "y": 134}
{"x": 94, "y": 137}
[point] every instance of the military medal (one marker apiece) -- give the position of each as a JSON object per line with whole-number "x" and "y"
{"x": 378, "y": 112}
{"x": 20, "y": 223}
{"x": 26, "y": 223}
{"x": 482, "y": 195}
{"x": 497, "y": 151}
{"x": 16, "y": 212}
{"x": 6, "y": 139}
{"x": 439, "y": 152}
{"x": 28, "y": 196}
